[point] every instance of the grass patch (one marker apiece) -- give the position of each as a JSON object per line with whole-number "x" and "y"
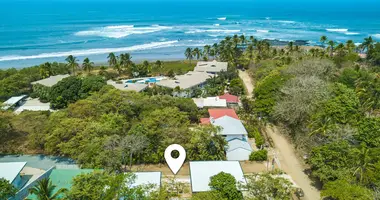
{"x": 178, "y": 67}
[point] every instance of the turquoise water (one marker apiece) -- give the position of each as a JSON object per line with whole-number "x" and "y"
{"x": 32, "y": 32}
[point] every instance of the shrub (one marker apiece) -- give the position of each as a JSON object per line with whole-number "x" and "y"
{"x": 259, "y": 139}
{"x": 260, "y": 155}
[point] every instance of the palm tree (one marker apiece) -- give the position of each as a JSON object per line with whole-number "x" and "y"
{"x": 362, "y": 162}
{"x": 323, "y": 40}
{"x": 189, "y": 54}
{"x": 332, "y": 45}
{"x": 290, "y": 46}
{"x": 72, "y": 63}
{"x": 159, "y": 64}
{"x": 44, "y": 190}
{"x": 125, "y": 60}
{"x": 87, "y": 65}
{"x": 368, "y": 43}
{"x": 45, "y": 70}
{"x": 243, "y": 40}
{"x": 350, "y": 45}
{"x": 206, "y": 51}
{"x": 112, "y": 60}
{"x": 197, "y": 53}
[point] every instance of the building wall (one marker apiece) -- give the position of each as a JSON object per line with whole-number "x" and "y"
{"x": 238, "y": 155}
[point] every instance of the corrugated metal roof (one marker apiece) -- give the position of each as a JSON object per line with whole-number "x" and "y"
{"x": 202, "y": 171}
{"x": 10, "y": 170}
{"x": 220, "y": 112}
{"x": 230, "y": 126}
{"x": 12, "y": 101}
{"x": 237, "y": 143}
{"x": 230, "y": 98}
{"x": 128, "y": 86}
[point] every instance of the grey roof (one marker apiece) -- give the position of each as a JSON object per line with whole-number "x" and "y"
{"x": 237, "y": 143}
{"x": 202, "y": 171}
{"x": 128, "y": 86}
{"x": 145, "y": 178}
{"x": 52, "y": 80}
{"x": 211, "y": 66}
{"x": 185, "y": 81}
{"x": 33, "y": 105}
{"x": 12, "y": 101}
{"x": 230, "y": 126}
{"x": 10, "y": 170}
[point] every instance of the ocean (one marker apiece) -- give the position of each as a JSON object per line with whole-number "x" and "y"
{"x": 37, "y": 31}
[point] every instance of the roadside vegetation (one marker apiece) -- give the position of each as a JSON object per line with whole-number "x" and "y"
{"x": 326, "y": 99}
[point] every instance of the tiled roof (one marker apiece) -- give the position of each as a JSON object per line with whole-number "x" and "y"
{"x": 205, "y": 120}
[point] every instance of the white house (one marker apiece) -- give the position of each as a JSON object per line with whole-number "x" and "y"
{"x": 238, "y": 150}
{"x": 202, "y": 171}
{"x": 210, "y": 102}
{"x": 148, "y": 178}
{"x": 50, "y": 81}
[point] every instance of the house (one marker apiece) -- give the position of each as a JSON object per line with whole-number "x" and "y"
{"x": 185, "y": 85}
{"x": 128, "y": 86}
{"x": 62, "y": 178}
{"x": 238, "y": 150}
{"x": 210, "y": 102}
{"x": 148, "y": 178}
{"x": 211, "y": 67}
{"x": 11, "y": 171}
{"x": 13, "y": 102}
{"x": 52, "y": 80}
{"x": 216, "y": 113}
{"x": 231, "y": 100}
{"x": 230, "y": 128}
{"x": 202, "y": 171}
{"x": 33, "y": 105}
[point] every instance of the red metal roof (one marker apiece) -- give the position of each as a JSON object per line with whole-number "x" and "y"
{"x": 205, "y": 120}
{"x": 217, "y": 113}
{"x": 230, "y": 98}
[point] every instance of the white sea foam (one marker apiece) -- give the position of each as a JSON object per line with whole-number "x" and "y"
{"x": 213, "y": 31}
{"x": 287, "y": 22}
{"x": 216, "y": 24}
{"x": 352, "y": 33}
{"x": 267, "y": 18}
{"x": 336, "y": 29}
{"x": 121, "y": 31}
{"x": 152, "y": 45}
{"x": 357, "y": 44}
{"x": 376, "y": 35}
{"x": 262, "y": 31}
{"x": 222, "y": 18}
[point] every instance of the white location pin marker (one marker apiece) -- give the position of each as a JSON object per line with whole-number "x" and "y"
{"x": 175, "y": 163}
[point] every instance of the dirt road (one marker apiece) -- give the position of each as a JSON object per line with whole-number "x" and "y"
{"x": 247, "y": 81}
{"x": 285, "y": 152}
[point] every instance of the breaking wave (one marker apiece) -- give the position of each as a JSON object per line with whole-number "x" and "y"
{"x": 376, "y": 35}
{"x": 336, "y": 29}
{"x": 213, "y": 31}
{"x": 222, "y": 18}
{"x": 152, "y": 45}
{"x": 262, "y": 31}
{"x": 121, "y": 31}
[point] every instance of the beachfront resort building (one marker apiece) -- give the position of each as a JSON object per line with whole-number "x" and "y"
{"x": 202, "y": 171}
{"x": 232, "y": 100}
{"x": 185, "y": 85}
{"x": 238, "y": 150}
{"x": 11, "y": 171}
{"x": 14, "y": 102}
{"x": 23, "y": 102}
{"x": 211, "y": 67}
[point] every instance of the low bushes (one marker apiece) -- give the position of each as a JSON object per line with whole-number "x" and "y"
{"x": 260, "y": 155}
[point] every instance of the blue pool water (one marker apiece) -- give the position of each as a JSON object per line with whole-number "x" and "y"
{"x": 36, "y": 31}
